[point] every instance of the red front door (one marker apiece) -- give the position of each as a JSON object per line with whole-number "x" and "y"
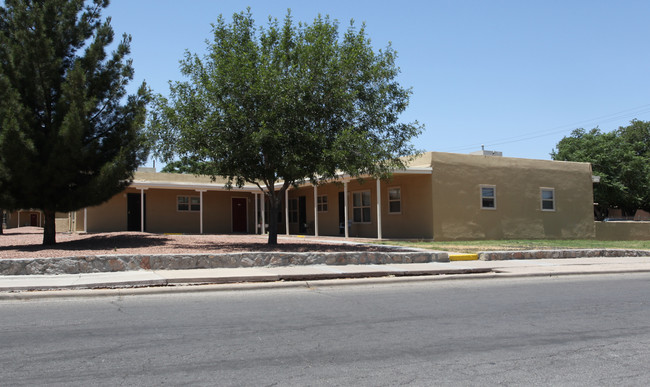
{"x": 239, "y": 215}
{"x": 33, "y": 220}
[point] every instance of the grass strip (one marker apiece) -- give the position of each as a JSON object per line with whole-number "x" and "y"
{"x": 473, "y": 247}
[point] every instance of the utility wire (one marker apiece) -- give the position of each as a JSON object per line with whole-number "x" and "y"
{"x": 627, "y": 113}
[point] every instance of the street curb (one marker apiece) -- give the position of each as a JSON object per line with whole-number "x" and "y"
{"x": 463, "y": 257}
{"x": 190, "y": 287}
{"x": 247, "y": 279}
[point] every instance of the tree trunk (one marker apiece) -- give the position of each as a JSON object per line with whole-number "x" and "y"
{"x": 273, "y": 219}
{"x": 49, "y": 228}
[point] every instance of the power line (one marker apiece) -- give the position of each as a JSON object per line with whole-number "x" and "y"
{"x": 627, "y": 113}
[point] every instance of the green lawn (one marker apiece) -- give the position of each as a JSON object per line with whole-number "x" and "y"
{"x": 476, "y": 246}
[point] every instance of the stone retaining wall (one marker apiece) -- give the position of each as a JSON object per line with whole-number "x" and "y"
{"x": 558, "y": 254}
{"x": 112, "y": 263}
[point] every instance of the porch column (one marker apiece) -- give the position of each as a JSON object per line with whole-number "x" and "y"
{"x": 142, "y": 209}
{"x": 200, "y": 211}
{"x": 18, "y": 218}
{"x": 315, "y": 211}
{"x": 345, "y": 208}
{"x": 256, "y": 217}
{"x": 262, "y": 204}
{"x": 378, "y": 209}
{"x": 85, "y": 220}
{"x": 286, "y": 210}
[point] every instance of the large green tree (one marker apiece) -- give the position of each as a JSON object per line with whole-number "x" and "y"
{"x": 70, "y": 137}
{"x": 280, "y": 104}
{"x": 620, "y": 158}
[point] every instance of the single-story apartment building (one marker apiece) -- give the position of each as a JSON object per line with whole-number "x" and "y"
{"x": 439, "y": 196}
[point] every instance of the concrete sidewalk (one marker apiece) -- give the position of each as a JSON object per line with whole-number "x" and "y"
{"x": 280, "y": 276}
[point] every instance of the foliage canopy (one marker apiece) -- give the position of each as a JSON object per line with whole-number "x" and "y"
{"x": 622, "y": 160}
{"x": 280, "y": 104}
{"x": 69, "y": 135}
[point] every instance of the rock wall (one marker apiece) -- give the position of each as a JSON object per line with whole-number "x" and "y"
{"x": 113, "y": 263}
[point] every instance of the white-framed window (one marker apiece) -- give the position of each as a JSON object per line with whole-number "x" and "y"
{"x": 293, "y": 210}
{"x": 188, "y": 203}
{"x": 395, "y": 200}
{"x": 547, "y": 196}
{"x": 321, "y": 203}
{"x": 361, "y": 207}
{"x": 488, "y": 197}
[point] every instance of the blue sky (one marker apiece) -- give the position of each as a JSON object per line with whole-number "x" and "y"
{"x": 515, "y": 76}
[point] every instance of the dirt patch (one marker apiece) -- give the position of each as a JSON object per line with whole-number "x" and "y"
{"x": 26, "y": 242}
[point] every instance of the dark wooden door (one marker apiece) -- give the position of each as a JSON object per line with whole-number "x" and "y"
{"x": 133, "y": 212}
{"x": 239, "y": 215}
{"x": 33, "y": 220}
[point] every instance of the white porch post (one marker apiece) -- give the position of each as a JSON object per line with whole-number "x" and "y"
{"x": 142, "y": 209}
{"x": 286, "y": 210}
{"x": 18, "y": 219}
{"x": 315, "y": 211}
{"x": 256, "y": 217}
{"x": 201, "y": 212}
{"x": 345, "y": 208}
{"x": 263, "y": 204}
{"x": 378, "y": 209}
{"x": 85, "y": 220}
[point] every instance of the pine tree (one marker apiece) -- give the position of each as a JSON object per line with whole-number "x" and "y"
{"x": 70, "y": 137}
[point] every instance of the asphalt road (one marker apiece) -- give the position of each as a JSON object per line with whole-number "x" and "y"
{"x": 592, "y": 330}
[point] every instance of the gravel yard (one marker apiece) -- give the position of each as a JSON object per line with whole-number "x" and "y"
{"x": 25, "y": 242}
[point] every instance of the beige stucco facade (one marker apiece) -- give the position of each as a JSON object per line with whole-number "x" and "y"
{"x": 517, "y": 214}
{"x": 36, "y": 218}
{"x": 415, "y": 194}
{"x": 162, "y": 214}
{"x": 440, "y": 196}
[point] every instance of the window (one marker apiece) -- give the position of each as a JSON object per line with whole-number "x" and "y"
{"x": 293, "y": 210}
{"x": 548, "y": 199}
{"x": 188, "y": 203}
{"x": 361, "y": 207}
{"x": 394, "y": 200}
{"x": 322, "y": 203}
{"x": 488, "y": 197}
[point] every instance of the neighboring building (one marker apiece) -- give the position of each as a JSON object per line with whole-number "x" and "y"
{"x": 440, "y": 196}
{"x": 35, "y": 218}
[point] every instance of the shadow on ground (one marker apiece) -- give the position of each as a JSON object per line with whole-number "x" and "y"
{"x": 102, "y": 242}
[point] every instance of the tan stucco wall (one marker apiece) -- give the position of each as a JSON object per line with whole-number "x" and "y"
{"x": 409, "y": 223}
{"x": 25, "y": 218}
{"x": 623, "y": 231}
{"x": 61, "y": 219}
{"x": 457, "y": 212}
{"x": 444, "y": 205}
{"x": 328, "y": 221}
{"x": 416, "y": 204}
{"x": 162, "y": 215}
{"x": 107, "y": 217}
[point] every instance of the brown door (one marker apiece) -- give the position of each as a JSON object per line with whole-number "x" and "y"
{"x": 33, "y": 220}
{"x": 239, "y": 215}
